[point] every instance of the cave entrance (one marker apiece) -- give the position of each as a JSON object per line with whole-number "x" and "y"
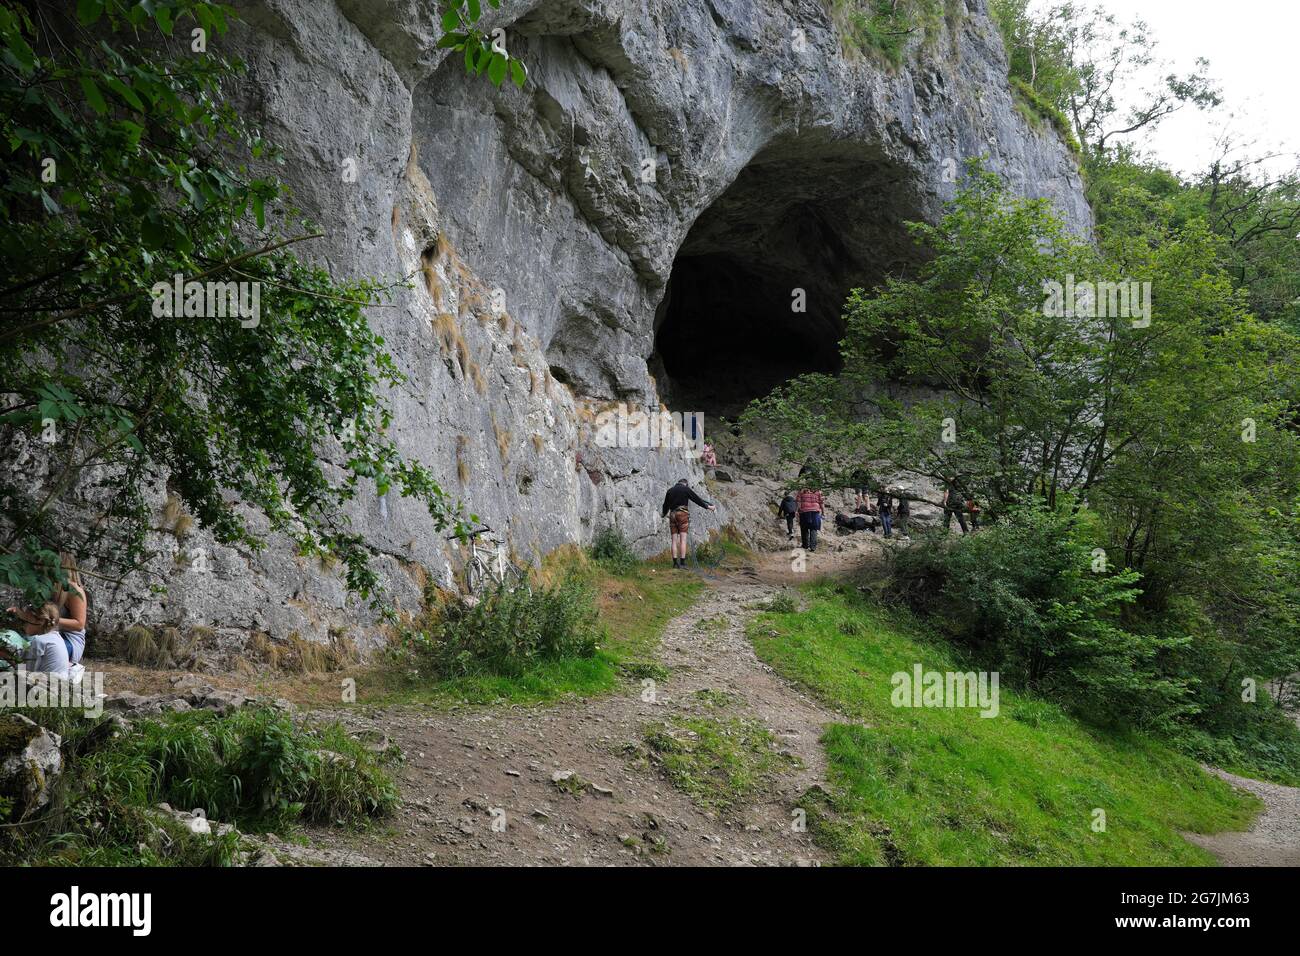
{"x": 756, "y": 293}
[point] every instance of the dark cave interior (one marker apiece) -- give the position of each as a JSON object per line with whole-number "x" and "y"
{"x": 792, "y": 229}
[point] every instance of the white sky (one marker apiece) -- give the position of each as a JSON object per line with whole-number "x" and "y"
{"x": 1251, "y": 46}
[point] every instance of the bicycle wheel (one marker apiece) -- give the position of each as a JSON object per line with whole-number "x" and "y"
{"x": 474, "y": 575}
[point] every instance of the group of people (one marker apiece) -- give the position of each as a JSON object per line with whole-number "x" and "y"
{"x": 55, "y": 631}
{"x": 807, "y": 506}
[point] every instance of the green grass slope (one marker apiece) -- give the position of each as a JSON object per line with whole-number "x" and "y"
{"x": 945, "y": 786}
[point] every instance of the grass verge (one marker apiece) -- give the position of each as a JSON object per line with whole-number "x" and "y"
{"x": 632, "y": 609}
{"x": 945, "y": 786}
{"x": 255, "y": 768}
{"x": 716, "y": 761}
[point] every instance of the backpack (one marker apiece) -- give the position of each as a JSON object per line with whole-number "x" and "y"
{"x": 843, "y": 521}
{"x": 787, "y": 505}
{"x": 860, "y": 523}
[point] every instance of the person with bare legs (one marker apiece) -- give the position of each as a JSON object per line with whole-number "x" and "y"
{"x": 677, "y": 509}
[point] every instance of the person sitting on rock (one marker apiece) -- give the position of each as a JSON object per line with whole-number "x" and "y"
{"x": 71, "y": 600}
{"x": 46, "y": 653}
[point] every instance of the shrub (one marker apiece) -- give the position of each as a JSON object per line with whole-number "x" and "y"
{"x": 508, "y": 632}
{"x": 611, "y": 551}
{"x": 884, "y": 26}
{"x": 782, "y": 603}
{"x": 1022, "y": 595}
{"x": 254, "y": 768}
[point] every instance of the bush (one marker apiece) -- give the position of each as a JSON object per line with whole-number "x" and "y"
{"x": 1043, "y": 108}
{"x": 611, "y": 551}
{"x": 1023, "y": 597}
{"x": 254, "y": 768}
{"x": 508, "y": 632}
{"x": 782, "y": 603}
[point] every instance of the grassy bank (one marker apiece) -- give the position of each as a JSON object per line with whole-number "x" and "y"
{"x": 937, "y": 785}
{"x": 256, "y": 768}
{"x": 632, "y": 609}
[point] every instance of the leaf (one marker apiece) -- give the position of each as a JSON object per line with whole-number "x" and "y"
{"x": 518, "y": 73}
{"x": 497, "y": 69}
{"x": 259, "y": 211}
{"x": 88, "y": 11}
{"x": 124, "y": 91}
{"x": 50, "y": 205}
{"x": 451, "y": 41}
{"x": 450, "y": 21}
{"x": 19, "y": 53}
{"x": 196, "y": 197}
{"x": 164, "y": 19}
{"x": 475, "y": 11}
{"x": 93, "y": 96}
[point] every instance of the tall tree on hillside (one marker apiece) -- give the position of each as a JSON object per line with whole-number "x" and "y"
{"x": 1104, "y": 75}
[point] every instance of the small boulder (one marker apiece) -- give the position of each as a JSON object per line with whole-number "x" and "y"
{"x": 222, "y": 701}
{"x": 30, "y": 762}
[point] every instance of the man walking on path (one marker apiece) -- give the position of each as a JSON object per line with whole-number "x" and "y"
{"x": 810, "y": 503}
{"x": 677, "y": 509}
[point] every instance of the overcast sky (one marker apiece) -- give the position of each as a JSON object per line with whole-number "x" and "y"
{"x": 1253, "y": 53}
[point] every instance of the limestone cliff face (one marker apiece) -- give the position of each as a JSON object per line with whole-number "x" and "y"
{"x": 541, "y": 227}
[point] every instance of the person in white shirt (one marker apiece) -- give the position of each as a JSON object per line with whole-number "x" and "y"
{"x": 47, "y": 653}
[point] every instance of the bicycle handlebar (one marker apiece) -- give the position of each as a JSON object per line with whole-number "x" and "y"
{"x": 470, "y": 534}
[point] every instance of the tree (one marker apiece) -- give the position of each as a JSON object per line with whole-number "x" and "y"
{"x": 255, "y": 394}
{"x": 1102, "y": 74}
{"x": 1129, "y": 379}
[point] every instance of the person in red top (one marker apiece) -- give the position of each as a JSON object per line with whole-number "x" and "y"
{"x": 810, "y": 503}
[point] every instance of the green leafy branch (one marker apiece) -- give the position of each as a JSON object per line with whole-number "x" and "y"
{"x": 483, "y": 52}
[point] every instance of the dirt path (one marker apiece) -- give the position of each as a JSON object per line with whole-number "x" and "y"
{"x": 470, "y": 767}
{"x": 1274, "y": 840}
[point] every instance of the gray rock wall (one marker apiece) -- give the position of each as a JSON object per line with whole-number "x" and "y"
{"x": 537, "y": 195}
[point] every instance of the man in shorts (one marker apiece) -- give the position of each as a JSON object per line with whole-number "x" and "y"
{"x": 677, "y": 510}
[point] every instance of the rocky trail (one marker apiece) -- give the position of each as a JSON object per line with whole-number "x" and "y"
{"x": 574, "y": 783}
{"x": 1274, "y": 838}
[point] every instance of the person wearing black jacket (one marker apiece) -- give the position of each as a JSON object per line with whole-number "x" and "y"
{"x": 677, "y": 510}
{"x": 885, "y": 506}
{"x": 789, "y": 510}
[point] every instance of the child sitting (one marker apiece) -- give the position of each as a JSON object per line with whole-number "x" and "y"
{"x": 46, "y": 653}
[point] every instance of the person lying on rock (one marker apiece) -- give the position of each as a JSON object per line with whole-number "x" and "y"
{"x": 46, "y": 654}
